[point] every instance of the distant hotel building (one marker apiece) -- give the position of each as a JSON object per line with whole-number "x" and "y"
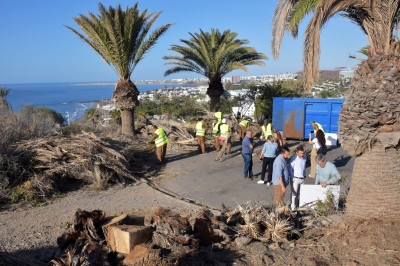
{"x": 235, "y": 79}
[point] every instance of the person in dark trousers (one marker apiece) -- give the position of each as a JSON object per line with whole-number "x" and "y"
{"x": 247, "y": 154}
{"x": 160, "y": 139}
{"x": 268, "y": 155}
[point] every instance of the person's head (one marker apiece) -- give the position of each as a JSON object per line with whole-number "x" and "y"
{"x": 300, "y": 151}
{"x": 200, "y": 119}
{"x": 154, "y": 127}
{"x": 320, "y": 160}
{"x": 315, "y": 127}
{"x": 320, "y": 137}
{"x": 278, "y": 135}
{"x": 214, "y": 120}
{"x": 224, "y": 120}
{"x": 270, "y": 138}
{"x": 266, "y": 121}
{"x": 249, "y": 133}
{"x": 312, "y": 123}
{"x": 285, "y": 152}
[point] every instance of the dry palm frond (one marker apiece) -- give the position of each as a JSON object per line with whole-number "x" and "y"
{"x": 277, "y": 228}
{"x": 250, "y": 229}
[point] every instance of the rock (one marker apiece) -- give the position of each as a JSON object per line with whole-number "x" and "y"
{"x": 274, "y": 246}
{"x": 242, "y": 241}
{"x": 335, "y": 218}
{"x": 256, "y": 247}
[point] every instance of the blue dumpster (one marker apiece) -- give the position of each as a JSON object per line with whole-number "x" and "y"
{"x": 293, "y": 115}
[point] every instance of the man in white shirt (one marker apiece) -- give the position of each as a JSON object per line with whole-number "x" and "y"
{"x": 297, "y": 172}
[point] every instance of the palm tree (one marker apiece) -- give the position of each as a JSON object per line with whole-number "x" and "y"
{"x": 4, "y": 92}
{"x": 92, "y": 115}
{"x": 213, "y": 55}
{"x": 121, "y": 38}
{"x": 369, "y": 124}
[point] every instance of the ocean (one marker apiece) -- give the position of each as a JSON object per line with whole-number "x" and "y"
{"x": 69, "y": 99}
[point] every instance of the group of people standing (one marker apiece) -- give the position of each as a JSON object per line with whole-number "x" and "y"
{"x": 282, "y": 174}
{"x": 274, "y": 155}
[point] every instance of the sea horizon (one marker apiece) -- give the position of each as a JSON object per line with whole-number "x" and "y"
{"x": 71, "y": 99}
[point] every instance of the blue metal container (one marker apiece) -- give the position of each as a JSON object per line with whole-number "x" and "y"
{"x": 293, "y": 115}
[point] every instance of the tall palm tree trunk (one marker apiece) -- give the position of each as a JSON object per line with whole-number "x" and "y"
{"x": 126, "y": 99}
{"x": 214, "y": 91}
{"x": 375, "y": 185}
{"x": 369, "y": 126}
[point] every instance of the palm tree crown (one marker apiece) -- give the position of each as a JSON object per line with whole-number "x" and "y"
{"x": 213, "y": 55}
{"x": 378, "y": 19}
{"x": 120, "y": 37}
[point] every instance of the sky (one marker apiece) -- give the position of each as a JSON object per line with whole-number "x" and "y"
{"x": 35, "y": 46}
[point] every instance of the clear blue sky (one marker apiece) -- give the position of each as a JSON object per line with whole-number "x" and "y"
{"x": 36, "y": 47}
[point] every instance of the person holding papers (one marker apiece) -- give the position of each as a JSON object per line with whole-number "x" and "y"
{"x": 327, "y": 173}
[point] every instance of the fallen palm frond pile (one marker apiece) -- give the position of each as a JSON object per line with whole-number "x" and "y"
{"x": 91, "y": 160}
{"x": 170, "y": 238}
{"x": 263, "y": 222}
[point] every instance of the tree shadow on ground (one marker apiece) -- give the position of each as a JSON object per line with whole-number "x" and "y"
{"x": 342, "y": 160}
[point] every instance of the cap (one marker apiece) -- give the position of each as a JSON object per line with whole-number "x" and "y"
{"x": 214, "y": 118}
{"x": 266, "y": 120}
{"x": 223, "y": 120}
{"x": 312, "y": 122}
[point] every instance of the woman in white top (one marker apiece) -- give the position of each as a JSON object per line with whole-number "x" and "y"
{"x": 317, "y": 142}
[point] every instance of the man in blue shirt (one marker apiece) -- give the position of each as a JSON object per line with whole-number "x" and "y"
{"x": 327, "y": 173}
{"x": 297, "y": 171}
{"x": 247, "y": 154}
{"x": 280, "y": 175}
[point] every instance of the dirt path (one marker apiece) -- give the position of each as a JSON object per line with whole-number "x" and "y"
{"x": 34, "y": 230}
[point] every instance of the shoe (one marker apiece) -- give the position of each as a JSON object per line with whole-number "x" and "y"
{"x": 261, "y": 182}
{"x": 269, "y": 183}
{"x": 251, "y": 177}
{"x": 159, "y": 163}
{"x": 311, "y": 176}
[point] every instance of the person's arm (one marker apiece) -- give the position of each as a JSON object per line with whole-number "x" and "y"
{"x": 310, "y": 140}
{"x": 282, "y": 184}
{"x": 334, "y": 175}
{"x": 263, "y": 150}
{"x": 304, "y": 167}
{"x": 291, "y": 168}
{"x": 317, "y": 176}
{"x": 153, "y": 138}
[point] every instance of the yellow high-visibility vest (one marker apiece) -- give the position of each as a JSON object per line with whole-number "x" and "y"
{"x": 244, "y": 123}
{"x": 162, "y": 138}
{"x": 224, "y": 130}
{"x": 267, "y": 130}
{"x": 199, "y": 129}
{"x": 218, "y": 115}
{"x": 216, "y": 130}
{"x": 320, "y": 127}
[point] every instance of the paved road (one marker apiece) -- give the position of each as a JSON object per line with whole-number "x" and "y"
{"x": 212, "y": 182}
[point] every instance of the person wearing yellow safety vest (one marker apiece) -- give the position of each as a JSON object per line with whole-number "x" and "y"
{"x": 313, "y": 124}
{"x": 225, "y": 130}
{"x": 160, "y": 139}
{"x": 216, "y": 132}
{"x": 200, "y": 135}
{"x": 218, "y": 115}
{"x": 267, "y": 129}
{"x": 243, "y": 126}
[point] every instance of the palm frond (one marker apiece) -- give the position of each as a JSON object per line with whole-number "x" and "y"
{"x": 120, "y": 37}
{"x": 279, "y": 22}
{"x": 213, "y": 54}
